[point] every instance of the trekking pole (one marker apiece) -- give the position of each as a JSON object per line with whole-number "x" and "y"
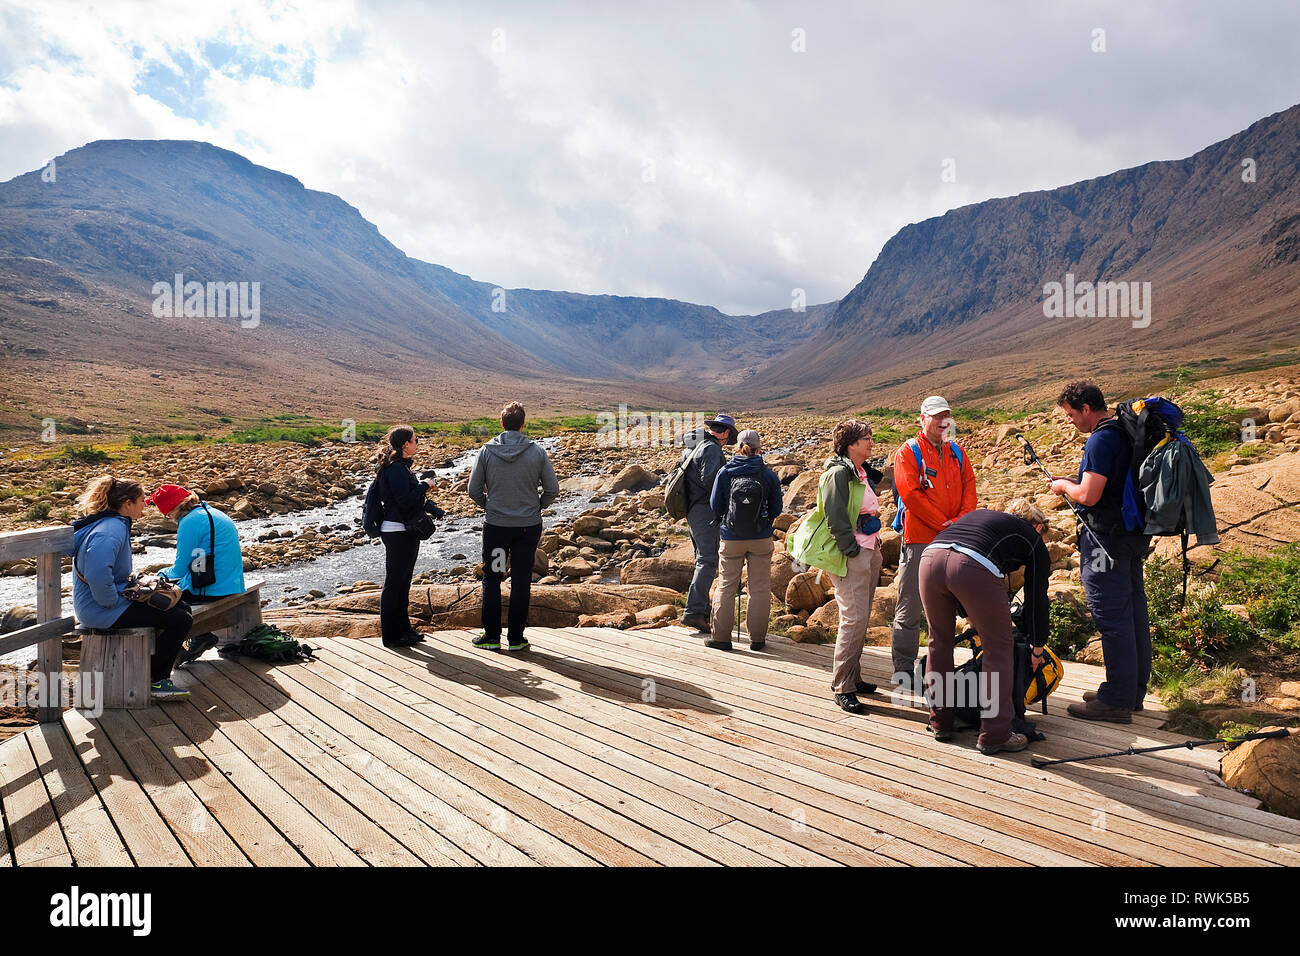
{"x": 1282, "y": 732}
{"x": 1031, "y": 455}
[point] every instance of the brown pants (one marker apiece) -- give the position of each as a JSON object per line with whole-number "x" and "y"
{"x": 853, "y": 594}
{"x": 946, "y": 578}
{"x": 733, "y": 557}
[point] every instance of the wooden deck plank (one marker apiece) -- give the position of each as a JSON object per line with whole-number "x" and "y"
{"x": 452, "y": 807}
{"x": 205, "y": 842}
{"x": 860, "y": 727}
{"x": 396, "y": 820}
{"x": 37, "y": 837}
{"x": 143, "y": 830}
{"x": 369, "y": 841}
{"x": 92, "y": 839}
{"x": 582, "y": 714}
{"x": 570, "y": 797}
{"x": 259, "y": 840}
{"x": 511, "y": 796}
{"x": 591, "y": 720}
{"x": 313, "y": 838}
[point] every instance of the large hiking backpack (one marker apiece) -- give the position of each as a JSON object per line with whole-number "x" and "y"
{"x": 746, "y": 506}
{"x": 266, "y": 642}
{"x": 915, "y": 446}
{"x": 1030, "y": 686}
{"x": 1152, "y": 427}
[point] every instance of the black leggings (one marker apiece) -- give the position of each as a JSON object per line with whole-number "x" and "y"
{"x": 400, "y": 551}
{"x": 171, "y": 626}
{"x": 520, "y": 544}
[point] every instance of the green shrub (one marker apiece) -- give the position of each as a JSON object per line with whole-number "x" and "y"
{"x": 86, "y": 454}
{"x": 38, "y": 512}
{"x": 1269, "y": 586}
{"x": 1201, "y": 634}
{"x": 1070, "y": 626}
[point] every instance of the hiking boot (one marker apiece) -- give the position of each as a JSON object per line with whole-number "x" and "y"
{"x": 718, "y": 645}
{"x": 166, "y": 690}
{"x": 850, "y": 703}
{"x": 403, "y": 641}
{"x": 698, "y": 621}
{"x": 1092, "y": 695}
{"x": 1011, "y": 745}
{"x": 943, "y": 736}
{"x": 1096, "y": 710}
{"x": 414, "y": 637}
{"x": 487, "y": 643}
{"x": 866, "y": 688}
{"x": 195, "y": 647}
{"x": 757, "y": 645}
{"x": 519, "y": 645}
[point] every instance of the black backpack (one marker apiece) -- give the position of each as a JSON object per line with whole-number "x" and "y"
{"x": 372, "y": 512}
{"x": 746, "y": 506}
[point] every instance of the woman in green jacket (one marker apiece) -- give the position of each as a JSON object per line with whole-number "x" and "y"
{"x": 842, "y": 536}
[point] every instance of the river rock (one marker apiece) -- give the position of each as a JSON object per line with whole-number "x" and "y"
{"x": 578, "y": 567}
{"x": 633, "y": 478}
{"x": 1269, "y": 769}
{"x": 587, "y": 524}
{"x": 802, "y": 494}
{"x": 17, "y": 617}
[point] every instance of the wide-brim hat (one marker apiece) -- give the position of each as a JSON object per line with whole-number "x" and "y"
{"x": 728, "y": 422}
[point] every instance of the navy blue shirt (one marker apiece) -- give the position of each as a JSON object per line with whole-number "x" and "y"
{"x": 1107, "y": 452}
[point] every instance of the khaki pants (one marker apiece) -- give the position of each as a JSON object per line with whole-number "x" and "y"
{"x": 854, "y": 593}
{"x": 734, "y": 555}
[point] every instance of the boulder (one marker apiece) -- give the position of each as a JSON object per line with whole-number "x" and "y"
{"x": 826, "y": 617}
{"x": 1289, "y": 688}
{"x": 802, "y": 494}
{"x": 1269, "y": 769}
{"x": 587, "y": 525}
{"x": 891, "y": 544}
{"x": 17, "y": 617}
{"x": 1257, "y": 507}
{"x": 660, "y": 613}
{"x": 616, "y": 619}
{"x": 1283, "y": 410}
{"x": 803, "y": 634}
{"x": 809, "y": 590}
{"x": 541, "y": 562}
{"x": 1006, "y": 431}
{"x": 633, "y": 478}
{"x": 883, "y": 604}
{"x": 578, "y": 567}
{"x": 783, "y": 521}
{"x": 672, "y": 569}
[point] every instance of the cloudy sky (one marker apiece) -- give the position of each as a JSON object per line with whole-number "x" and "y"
{"x": 723, "y": 153}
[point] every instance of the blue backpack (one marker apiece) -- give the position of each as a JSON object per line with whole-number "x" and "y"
{"x": 912, "y": 443}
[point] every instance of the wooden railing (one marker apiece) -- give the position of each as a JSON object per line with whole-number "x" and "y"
{"x": 47, "y": 546}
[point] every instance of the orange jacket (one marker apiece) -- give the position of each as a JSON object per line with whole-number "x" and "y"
{"x": 952, "y": 494}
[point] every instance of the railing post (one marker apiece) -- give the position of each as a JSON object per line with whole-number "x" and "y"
{"x": 49, "y": 652}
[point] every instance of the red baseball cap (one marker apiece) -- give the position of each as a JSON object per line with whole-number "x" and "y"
{"x": 167, "y": 497}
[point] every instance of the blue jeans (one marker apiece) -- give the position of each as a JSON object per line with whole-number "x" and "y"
{"x": 1117, "y": 600}
{"x": 704, "y": 538}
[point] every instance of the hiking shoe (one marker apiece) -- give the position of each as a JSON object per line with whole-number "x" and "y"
{"x": 698, "y": 621}
{"x": 1092, "y": 695}
{"x": 487, "y": 643}
{"x": 1096, "y": 710}
{"x": 414, "y": 637}
{"x": 757, "y": 645}
{"x": 718, "y": 645}
{"x": 943, "y": 736}
{"x": 519, "y": 645}
{"x": 403, "y": 641}
{"x": 866, "y": 688}
{"x": 195, "y": 647}
{"x": 1012, "y": 744}
{"x": 850, "y": 703}
{"x": 166, "y": 690}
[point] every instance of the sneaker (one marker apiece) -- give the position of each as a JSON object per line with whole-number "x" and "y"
{"x": 850, "y": 703}
{"x": 1096, "y": 710}
{"x": 698, "y": 621}
{"x": 520, "y": 645}
{"x": 166, "y": 690}
{"x": 1012, "y": 744}
{"x": 195, "y": 647}
{"x": 1092, "y": 695}
{"x": 487, "y": 643}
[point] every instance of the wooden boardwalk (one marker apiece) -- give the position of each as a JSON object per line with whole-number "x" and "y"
{"x": 598, "y": 747}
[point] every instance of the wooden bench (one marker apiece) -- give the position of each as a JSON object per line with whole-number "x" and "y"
{"x": 122, "y": 655}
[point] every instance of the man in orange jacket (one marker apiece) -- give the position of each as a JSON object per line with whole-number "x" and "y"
{"x": 933, "y": 497}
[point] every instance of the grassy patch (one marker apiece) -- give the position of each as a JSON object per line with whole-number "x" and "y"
{"x": 150, "y": 441}
{"x": 85, "y": 454}
{"x": 277, "y": 429}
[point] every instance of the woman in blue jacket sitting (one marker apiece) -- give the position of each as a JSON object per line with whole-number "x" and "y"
{"x": 209, "y": 563}
{"x": 101, "y": 568}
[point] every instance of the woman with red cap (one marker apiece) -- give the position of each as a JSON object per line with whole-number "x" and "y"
{"x": 209, "y": 563}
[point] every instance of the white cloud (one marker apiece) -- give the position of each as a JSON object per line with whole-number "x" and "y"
{"x": 523, "y": 162}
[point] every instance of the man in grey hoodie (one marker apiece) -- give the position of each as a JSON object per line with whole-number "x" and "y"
{"x": 505, "y": 480}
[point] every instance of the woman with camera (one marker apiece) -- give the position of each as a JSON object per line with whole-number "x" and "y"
{"x": 407, "y": 522}
{"x": 842, "y": 537}
{"x": 103, "y": 586}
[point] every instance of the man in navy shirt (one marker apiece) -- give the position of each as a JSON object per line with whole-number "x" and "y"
{"x": 1111, "y": 557}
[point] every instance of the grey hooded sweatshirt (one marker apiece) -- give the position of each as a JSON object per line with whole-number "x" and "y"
{"x": 506, "y": 477}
